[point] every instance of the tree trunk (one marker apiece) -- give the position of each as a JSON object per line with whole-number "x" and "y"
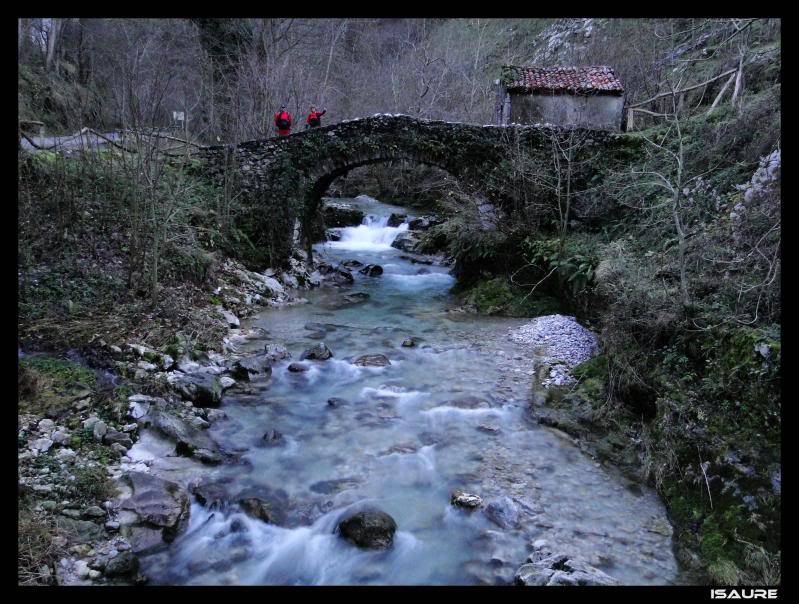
{"x": 53, "y": 44}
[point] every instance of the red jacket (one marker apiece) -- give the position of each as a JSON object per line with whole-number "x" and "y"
{"x": 315, "y": 115}
{"x": 287, "y": 116}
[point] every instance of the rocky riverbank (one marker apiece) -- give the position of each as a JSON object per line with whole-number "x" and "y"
{"x": 88, "y": 509}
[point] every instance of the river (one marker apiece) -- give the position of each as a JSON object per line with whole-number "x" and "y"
{"x": 449, "y": 413}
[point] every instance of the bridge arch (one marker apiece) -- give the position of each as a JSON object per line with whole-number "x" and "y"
{"x": 283, "y": 179}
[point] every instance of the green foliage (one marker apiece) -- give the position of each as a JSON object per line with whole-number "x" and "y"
{"x": 573, "y": 266}
{"x": 498, "y": 297}
{"x": 63, "y": 374}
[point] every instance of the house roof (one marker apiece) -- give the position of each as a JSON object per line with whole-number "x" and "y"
{"x": 598, "y": 79}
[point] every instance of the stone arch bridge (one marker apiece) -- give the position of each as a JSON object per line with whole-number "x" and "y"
{"x": 283, "y": 179}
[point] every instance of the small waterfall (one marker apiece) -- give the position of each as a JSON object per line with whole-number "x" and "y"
{"x": 372, "y": 234}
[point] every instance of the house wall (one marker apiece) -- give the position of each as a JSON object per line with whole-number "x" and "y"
{"x": 596, "y": 111}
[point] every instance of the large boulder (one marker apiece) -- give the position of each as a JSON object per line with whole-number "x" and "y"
{"x": 254, "y": 365}
{"x": 189, "y": 441}
{"x": 546, "y": 568}
{"x": 369, "y": 528}
{"x": 318, "y": 352}
{"x": 407, "y": 241}
{"x": 204, "y": 389}
{"x": 160, "y": 504}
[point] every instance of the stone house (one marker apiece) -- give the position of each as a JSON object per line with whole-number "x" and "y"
{"x": 563, "y": 96}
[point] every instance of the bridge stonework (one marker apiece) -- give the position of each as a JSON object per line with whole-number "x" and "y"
{"x": 283, "y": 179}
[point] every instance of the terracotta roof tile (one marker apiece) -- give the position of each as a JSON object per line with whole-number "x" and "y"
{"x": 561, "y": 79}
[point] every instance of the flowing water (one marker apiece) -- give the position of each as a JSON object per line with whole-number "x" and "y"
{"x": 450, "y": 413}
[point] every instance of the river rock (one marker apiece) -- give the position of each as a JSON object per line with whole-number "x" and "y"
{"x": 328, "y": 487}
{"x": 158, "y": 503}
{"x": 265, "y": 503}
{"x": 422, "y": 223}
{"x": 189, "y": 441}
{"x": 124, "y": 564}
{"x": 407, "y": 241}
{"x": 503, "y": 512}
{"x": 253, "y": 365}
{"x": 371, "y": 270}
{"x": 371, "y": 360}
{"x": 298, "y": 367}
{"x": 211, "y": 494}
{"x": 94, "y": 511}
{"x": 41, "y": 444}
{"x": 335, "y": 401}
{"x": 46, "y": 426}
{"x": 272, "y": 438}
{"x": 60, "y": 436}
{"x": 231, "y": 319}
{"x": 204, "y": 389}
{"x": 337, "y": 274}
{"x": 355, "y": 297}
{"x": 276, "y": 352}
{"x": 465, "y": 500}
{"x": 116, "y": 437}
{"x": 396, "y": 219}
{"x": 255, "y": 507}
{"x": 370, "y": 528}
{"x": 468, "y": 402}
{"x": 318, "y": 352}
{"x": 352, "y": 263}
{"x": 546, "y": 568}
{"x": 98, "y": 430}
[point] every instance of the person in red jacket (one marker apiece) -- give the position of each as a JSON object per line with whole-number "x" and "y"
{"x": 315, "y": 118}
{"x": 283, "y": 122}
